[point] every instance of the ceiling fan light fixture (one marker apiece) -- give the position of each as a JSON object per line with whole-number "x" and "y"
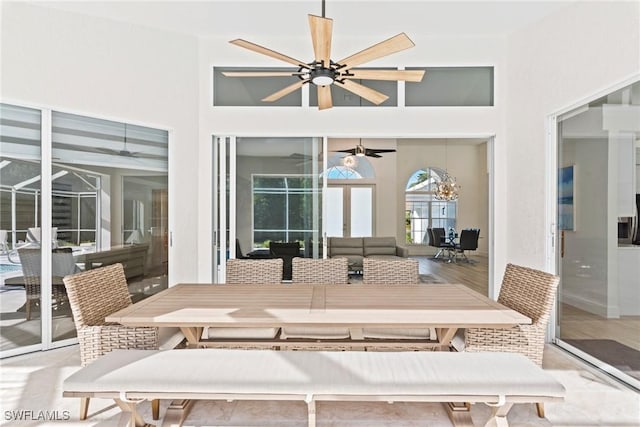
{"x": 349, "y": 162}
{"x": 322, "y": 76}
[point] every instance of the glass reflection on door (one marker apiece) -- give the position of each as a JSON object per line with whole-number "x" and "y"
{"x": 599, "y": 304}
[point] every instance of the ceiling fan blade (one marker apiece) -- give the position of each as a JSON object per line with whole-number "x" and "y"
{"x": 265, "y": 51}
{"x": 321, "y": 29}
{"x": 324, "y": 97}
{"x": 259, "y": 74}
{"x": 381, "y": 150}
{"x": 351, "y": 151}
{"x": 406, "y": 75}
{"x": 368, "y": 154}
{"x": 364, "y": 92}
{"x": 387, "y": 47}
{"x": 283, "y": 92}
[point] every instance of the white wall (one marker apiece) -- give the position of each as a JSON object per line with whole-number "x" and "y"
{"x": 568, "y": 56}
{"x": 347, "y": 122}
{"x": 102, "y": 68}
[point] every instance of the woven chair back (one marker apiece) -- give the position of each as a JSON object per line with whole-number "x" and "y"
{"x": 528, "y": 291}
{"x": 30, "y": 260}
{"x": 392, "y": 272}
{"x": 254, "y": 271}
{"x": 97, "y": 293}
{"x": 331, "y": 271}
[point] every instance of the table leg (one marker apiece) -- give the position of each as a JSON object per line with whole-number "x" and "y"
{"x": 193, "y": 335}
{"x": 445, "y": 335}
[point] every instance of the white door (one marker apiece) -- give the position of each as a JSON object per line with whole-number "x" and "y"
{"x": 350, "y": 210}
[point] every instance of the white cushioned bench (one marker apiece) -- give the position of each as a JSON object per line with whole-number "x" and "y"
{"x": 498, "y": 379}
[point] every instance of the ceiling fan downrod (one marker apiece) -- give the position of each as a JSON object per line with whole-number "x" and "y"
{"x": 323, "y": 9}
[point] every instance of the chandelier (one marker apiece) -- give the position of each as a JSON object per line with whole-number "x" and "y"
{"x": 447, "y": 189}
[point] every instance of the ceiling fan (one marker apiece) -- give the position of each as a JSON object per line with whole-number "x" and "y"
{"x": 323, "y": 72}
{"x": 125, "y": 152}
{"x": 361, "y": 151}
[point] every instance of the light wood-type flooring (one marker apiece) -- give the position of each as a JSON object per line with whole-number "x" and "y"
{"x": 574, "y": 323}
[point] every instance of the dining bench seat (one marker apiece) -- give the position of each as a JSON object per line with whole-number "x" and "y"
{"x": 130, "y": 376}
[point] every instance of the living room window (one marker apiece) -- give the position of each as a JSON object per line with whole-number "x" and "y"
{"x": 423, "y": 210}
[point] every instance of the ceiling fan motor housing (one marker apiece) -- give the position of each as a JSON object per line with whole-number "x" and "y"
{"x": 321, "y": 76}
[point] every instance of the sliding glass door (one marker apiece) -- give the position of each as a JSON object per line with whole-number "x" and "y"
{"x": 104, "y": 201}
{"x": 598, "y": 255}
{"x": 266, "y": 190}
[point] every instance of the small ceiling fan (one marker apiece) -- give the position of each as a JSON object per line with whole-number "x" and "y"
{"x": 323, "y": 72}
{"x": 125, "y": 152}
{"x": 361, "y": 151}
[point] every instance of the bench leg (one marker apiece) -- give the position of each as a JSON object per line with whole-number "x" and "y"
{"x": 177, "y": 412}
{"x": 499, "y": 416}
{"x": 540, "y": 409}
{"x": 130, "y": 416}
{"x": 311, "y": 408}
{"x": 84, "y": 408}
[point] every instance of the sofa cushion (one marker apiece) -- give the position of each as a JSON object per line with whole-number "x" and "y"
{"x": 379, "y": 246}
{"x": 345, "y": 246}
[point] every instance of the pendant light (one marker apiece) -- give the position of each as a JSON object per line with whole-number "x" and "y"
{"x": 447, "y": 189}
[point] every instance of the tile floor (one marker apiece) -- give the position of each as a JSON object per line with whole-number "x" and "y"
{"x": 34, "y": 382}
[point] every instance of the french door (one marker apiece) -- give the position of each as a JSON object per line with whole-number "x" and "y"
{"x": 350, "y": 210}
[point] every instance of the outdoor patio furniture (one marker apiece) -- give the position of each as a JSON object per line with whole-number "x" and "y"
{"x": 61, "y": 265}
{"x": 527, "y": 291}
{"x": 390, "y": 272}
{"x": 97, "y": 293}
{"x": 330, "y": 271}
{"x": 246, "y": 272}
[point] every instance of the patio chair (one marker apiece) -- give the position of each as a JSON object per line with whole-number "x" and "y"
{"x": 34, "y": 235}
{"x": 527, "y": 291}
{"x": 393, "y": 272}
{"x": 97, "y": 293}
{"x": 4, "y": 245}
{"x": 249, "y": 272}
{"x": 330, "y": 271}
{"x": 62, "y": 264}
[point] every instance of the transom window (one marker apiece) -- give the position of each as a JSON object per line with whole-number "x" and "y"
{"x": 422, "y": 209}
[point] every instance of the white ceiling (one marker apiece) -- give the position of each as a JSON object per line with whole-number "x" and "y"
{"x": 353, "y": 18}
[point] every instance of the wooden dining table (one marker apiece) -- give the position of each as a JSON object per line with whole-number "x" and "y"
{"x": 443, "y": 307}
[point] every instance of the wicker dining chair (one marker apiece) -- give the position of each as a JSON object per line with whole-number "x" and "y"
{"x": 95, "y": 294}
{"x": 390, "y": 272}
{"x": 62, "y": 264}
{"x": 393, "y": 272}
{"x": 248, "y": 272}
{"x": 527, "y": 291}
{"x": 330, "y": 271}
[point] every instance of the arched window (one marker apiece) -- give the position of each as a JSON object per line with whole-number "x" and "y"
{"x": 342, "y": 166}
{"x": 422, "y": 209}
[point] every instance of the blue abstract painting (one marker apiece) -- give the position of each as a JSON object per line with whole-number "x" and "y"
{"x": 566, "y": 216}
